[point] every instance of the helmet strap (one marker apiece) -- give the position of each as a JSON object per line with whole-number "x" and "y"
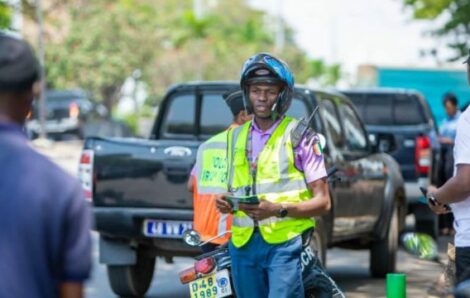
{"x": 275, "y": 111}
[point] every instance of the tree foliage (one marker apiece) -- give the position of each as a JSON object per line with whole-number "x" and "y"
{"x": 5, "y": 15}
{"x": 104, "y": 42}
{"x": 456, "y": 26}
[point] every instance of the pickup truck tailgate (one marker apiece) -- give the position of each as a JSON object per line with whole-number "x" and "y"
{"x": 141, "y": 173}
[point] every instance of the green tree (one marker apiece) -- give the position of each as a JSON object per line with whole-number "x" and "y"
{"x": 456, "y": 27}
{"x": 5, "y": 15}
{"x": 106, "y": 42}
{"x": 102, "y": 42}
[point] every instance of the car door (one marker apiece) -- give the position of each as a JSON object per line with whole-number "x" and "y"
{"x": 344, "y": 220}
{"x": 365, "y": 171}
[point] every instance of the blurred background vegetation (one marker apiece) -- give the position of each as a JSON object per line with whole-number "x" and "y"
{"x": 99, "y": 44}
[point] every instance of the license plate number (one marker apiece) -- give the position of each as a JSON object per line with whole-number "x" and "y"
{"x": 165, "y": 228}
{"x": 213, "y": 286}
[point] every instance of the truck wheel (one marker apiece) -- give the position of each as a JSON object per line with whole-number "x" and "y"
{"x": 318, "y": 242}
{"x": 132, "y": 280}
{"x": 383, "y": 253}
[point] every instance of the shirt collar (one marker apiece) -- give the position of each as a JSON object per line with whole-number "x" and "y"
{"x": 12, "y": 127}
{"x": 455, "y": 117}
{"x": 255, "y": 127}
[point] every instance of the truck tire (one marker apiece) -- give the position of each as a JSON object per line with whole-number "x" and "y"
{"x": 132, "y": 280}
{"x": 383, "y": 253}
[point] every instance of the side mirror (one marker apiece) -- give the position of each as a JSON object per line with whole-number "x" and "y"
{"x": 383, "y": 142}
{"x": 192, "y": 238}
{"x": 421, "y": 245}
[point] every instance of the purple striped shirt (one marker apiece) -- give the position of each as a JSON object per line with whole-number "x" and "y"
{"x": 306, "y": 160}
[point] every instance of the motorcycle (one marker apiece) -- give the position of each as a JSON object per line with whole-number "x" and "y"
{"x": 210, "y": 275}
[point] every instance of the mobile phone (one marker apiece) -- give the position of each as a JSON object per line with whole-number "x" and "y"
{"x": 235, "y": 200}
{"x": 431, "y": 200}
{"x": 424, "y": 191}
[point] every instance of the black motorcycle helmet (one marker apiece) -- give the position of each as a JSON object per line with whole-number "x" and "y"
{"x": 265, "y": 68}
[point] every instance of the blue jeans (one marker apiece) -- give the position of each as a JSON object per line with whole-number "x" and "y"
{"x": 261, "y": 270}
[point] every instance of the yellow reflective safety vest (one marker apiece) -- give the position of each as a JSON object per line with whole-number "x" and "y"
{"x": 277, "y": 180}
{"x": 210, "y": 179}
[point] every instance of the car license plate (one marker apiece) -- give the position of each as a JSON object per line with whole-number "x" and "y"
{"x": 213, "y": 286}
{"x": 165, "y": 228}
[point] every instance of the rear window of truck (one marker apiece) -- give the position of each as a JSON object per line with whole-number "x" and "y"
{"x": 180, "y": 116}
{"x": 389, "y": 109}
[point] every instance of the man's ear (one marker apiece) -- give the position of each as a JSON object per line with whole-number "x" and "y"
{"x": 37, "y": 89}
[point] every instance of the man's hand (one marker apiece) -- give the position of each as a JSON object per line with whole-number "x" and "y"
{"x": 446, "y": 140}
{"x": 260, "y": 211}
{"x": 222, "y": 205}
{"x": 438, "y": 208}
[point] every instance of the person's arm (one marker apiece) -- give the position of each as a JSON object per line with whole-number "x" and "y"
{"x": 318, "y": 205}
{"x": 76, "y": 259}
{"x": 191, "y": 181}
{"x": 457, "y": 188}
{"x": 192, "y": 177}
{"x": 71, "y": 290}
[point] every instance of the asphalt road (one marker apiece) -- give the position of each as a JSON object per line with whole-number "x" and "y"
{"x": 348, "y": 267}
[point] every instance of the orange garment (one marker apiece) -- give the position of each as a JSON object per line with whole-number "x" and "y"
{"x": 209, "y": 222}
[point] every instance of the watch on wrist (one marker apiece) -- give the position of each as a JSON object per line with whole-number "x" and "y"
{"x": 432, "y": 198}
{"x": 282, "y": 212}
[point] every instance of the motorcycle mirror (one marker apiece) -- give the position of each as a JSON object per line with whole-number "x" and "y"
{"x": 192, "y": 238}
{"x": 421, "y": 245}
{"x": 463, "y": 290}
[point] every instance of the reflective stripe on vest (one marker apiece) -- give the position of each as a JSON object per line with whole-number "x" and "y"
{"x": 211, "y": 165}
{"x": 277, "y": 180}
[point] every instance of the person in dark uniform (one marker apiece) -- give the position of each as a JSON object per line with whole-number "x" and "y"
{"x": 447, "y": 132}
{"x": 45, "y": 242}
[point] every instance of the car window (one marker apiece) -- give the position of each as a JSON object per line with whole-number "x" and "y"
{"x": 354, "y": 133}
{"x": 359, "y": 101}
{"x": 408, "y": 111}
{"x": 297, "y": 109}
{"x": 333, "y": 126}
{"x": 180, "y": 116}
{"x": 215, "y": 114}
{"x": 378, "y": 110}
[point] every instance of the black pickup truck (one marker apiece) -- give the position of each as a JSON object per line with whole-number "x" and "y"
{"x": 142, "y": 207}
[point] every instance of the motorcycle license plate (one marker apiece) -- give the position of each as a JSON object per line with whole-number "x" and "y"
{"x": 216, "y": 285}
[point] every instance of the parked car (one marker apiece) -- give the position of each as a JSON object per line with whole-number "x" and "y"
{"x": 66, "y": 113}
{"x": 405, "y": 114}
{"x": 142, "y": 207}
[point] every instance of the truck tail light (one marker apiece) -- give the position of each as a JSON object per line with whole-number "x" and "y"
{"x": 423, "y": 155}
{"x": 205, "y": 265}
{"x": 74, "y": 110}
{"x": 188, "y": 275}
{"x": 85, "y": 173}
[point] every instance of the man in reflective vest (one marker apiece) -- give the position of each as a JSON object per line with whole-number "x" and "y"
{"x": 290, "y": 183}
{"x": 208, "y": 178}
